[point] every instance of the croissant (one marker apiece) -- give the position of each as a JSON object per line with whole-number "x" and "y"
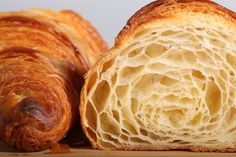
{"x": 168, "y": 84}
{"x": 43, "y": 57}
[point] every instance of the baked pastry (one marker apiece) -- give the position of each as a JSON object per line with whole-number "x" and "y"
{"x": 43, "y": 57}
{"x": 169, "y": 82}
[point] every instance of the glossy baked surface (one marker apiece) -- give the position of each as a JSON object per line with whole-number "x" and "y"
{"x": 43, "y": 57}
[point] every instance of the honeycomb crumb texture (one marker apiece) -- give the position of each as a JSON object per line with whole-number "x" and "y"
{"x": 176, "y": 88}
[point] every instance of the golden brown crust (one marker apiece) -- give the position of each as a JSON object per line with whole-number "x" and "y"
{"x": 43, "y": 57}
{"x": 15, "y": 21}
{"x": 93, "y": 38}
{"x": 160, "y": 9}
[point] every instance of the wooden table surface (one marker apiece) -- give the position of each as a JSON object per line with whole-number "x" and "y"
{"x": 6, "y": 151}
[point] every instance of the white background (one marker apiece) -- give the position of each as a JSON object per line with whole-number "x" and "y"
{"x": 108, "y": 16}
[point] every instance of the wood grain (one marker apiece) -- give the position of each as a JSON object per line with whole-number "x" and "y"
{"x": 87, "y": 152}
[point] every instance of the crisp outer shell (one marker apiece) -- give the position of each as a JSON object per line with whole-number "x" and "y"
{"x": 44, "y": 55}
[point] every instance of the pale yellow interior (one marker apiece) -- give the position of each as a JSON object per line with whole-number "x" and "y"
{"x": 173, "y": 86}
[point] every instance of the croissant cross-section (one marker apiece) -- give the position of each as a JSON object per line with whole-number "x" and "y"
{"x": 169, "y": 82}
